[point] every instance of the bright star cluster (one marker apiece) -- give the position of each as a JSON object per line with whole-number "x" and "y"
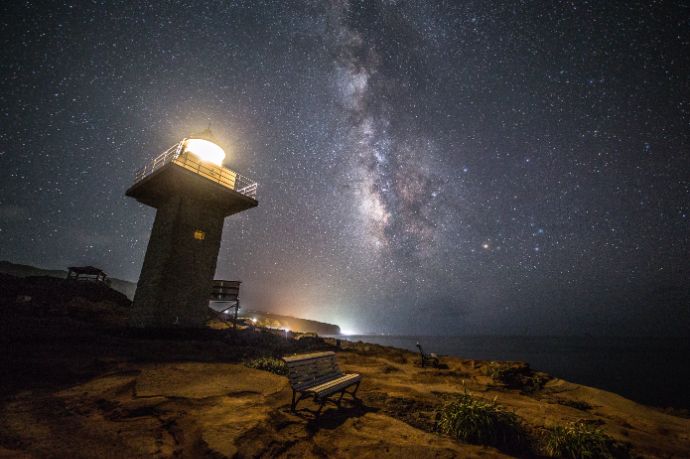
{"x": 424, "y": 167}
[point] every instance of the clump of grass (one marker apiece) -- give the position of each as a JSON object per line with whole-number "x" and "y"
{"x": 520, "y": 376}
{"x": 271, "y": 364}
{"x": 481, "y": 422}
{"x": 495, "y": 370}
{"x": 579, "y": 440}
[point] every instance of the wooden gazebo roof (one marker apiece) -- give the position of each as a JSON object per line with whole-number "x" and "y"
{"x": 87, "y": 270}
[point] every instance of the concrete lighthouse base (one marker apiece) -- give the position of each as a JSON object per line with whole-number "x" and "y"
{"x": 177, "y": 275}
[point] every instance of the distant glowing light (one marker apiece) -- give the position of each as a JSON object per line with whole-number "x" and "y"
{"x": 485, "y": 246}
{"x": 348, "y": 332}
{"x": 254, "y": 320}
{"x": 205, "y": 150}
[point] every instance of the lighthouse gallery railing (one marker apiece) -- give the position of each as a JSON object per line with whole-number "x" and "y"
{"x": 221, "y": 175}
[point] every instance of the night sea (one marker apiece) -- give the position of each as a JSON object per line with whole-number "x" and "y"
{"x": 653, "y": 371}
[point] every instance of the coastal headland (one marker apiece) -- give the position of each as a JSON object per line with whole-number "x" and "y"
{"x": 84, "y": 385}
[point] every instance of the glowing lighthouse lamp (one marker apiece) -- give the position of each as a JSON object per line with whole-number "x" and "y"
{"x": 193, "y": 193}
{"x": 205, "y": 150}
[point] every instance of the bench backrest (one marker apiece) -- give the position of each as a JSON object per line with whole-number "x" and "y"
{"x": 308, "y": 370}
{"x": 421, "y": 351}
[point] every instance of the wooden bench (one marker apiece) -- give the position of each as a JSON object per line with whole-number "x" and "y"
{"x": 427, "y": 359}
{"x": 317, "y": 375}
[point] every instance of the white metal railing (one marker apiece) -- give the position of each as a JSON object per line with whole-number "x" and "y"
{"x": 221, "y": 175}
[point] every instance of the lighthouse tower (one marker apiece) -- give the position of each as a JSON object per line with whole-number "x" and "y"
{"x": 193, "y": 193}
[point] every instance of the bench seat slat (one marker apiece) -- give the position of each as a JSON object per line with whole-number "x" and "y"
{"x": 335, "y": 385}
{"x": 306, "y": 385}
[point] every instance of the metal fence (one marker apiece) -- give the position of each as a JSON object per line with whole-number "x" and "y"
{"x": 218, "y": 174}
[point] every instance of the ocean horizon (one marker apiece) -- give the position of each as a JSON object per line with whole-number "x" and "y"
{"x": 648, "y": 370}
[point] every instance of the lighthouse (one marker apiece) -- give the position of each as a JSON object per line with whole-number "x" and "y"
{"x": 192, "y": 193}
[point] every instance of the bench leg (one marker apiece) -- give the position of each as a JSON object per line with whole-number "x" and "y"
{"x": 295, "y": 399}
{"x": 354, "y": 392}
{"x": 342, "y": 394}
{"x": 323, "y": 402}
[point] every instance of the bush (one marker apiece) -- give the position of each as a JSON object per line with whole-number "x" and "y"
{"x": 517, "y": 376}
{"x": 481, "y": 422}
{"x": 271, "y": 364}
{"x": 577, "y": 404}
{"x": 579, "y": 440}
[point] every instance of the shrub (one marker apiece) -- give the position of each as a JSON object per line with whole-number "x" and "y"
{"x": 271, "y": 364}
{"x": 495, "y": 370}
{"x": 579, "y": 440}
{"x": 517, "y": 376}
{"x": 577, "y": 404}
{"x": 481, "y": 422}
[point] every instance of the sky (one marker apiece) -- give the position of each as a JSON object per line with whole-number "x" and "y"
{"x": 454, "y": 168}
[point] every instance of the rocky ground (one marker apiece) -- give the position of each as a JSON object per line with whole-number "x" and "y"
{"x": 77, "y": 387}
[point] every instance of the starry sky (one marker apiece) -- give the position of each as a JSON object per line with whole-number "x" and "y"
{"x": 424, "y": 167}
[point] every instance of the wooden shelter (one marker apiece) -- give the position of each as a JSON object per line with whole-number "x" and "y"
{"x": 86, "y": 273}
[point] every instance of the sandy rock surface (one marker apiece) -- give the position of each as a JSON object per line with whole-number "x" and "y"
{"x": 76, "y": 383}
{"x": 126, "y": 396}
{"x": 193, "y": 409}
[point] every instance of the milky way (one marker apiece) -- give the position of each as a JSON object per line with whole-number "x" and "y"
{"x": 478, "y": 167}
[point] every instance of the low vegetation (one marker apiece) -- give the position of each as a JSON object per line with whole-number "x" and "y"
{"x": 517, "y": 376}
{"x": 577, "y": 404}
{"x": 485, "y": 422}
{"x": 270, "y": 364}
{"x": 580, "y": 440}
{"x": 482, "y": 422}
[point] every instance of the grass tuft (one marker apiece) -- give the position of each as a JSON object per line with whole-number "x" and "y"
{"x": 517, "y": 376}
{"x": 481, "y": 422}
{"x": 579, "y": 440}
{"x": 271, "y": 364}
